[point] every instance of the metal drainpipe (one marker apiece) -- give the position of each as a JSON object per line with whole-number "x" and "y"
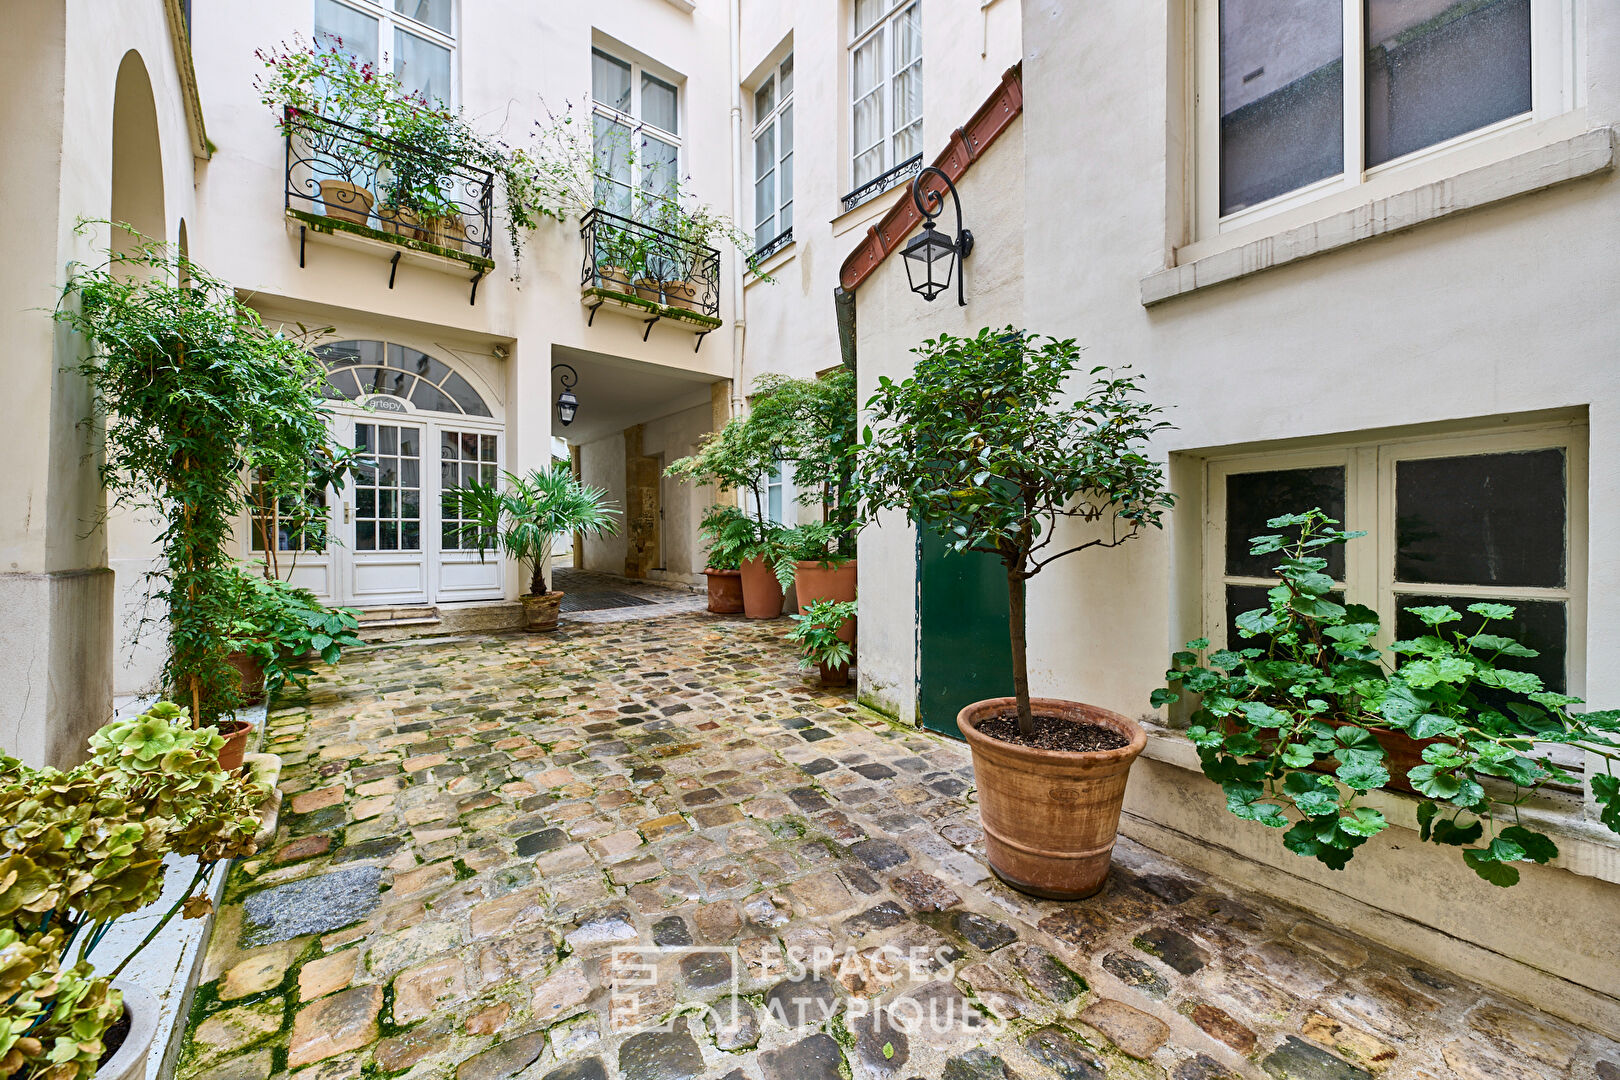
{"x": 739, "y": 322}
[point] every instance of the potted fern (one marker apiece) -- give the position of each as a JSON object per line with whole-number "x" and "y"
{"x": 817, "y": 632}
{"x": 728, "y": 531}
{"x": 521, "y": 516}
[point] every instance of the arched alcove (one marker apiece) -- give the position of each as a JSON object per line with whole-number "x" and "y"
{"x": 137, "y": 161}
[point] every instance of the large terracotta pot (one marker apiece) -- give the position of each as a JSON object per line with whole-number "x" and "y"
{"x": 812, "y": 581}
{"x": 236, "y": 736}
{"x": 725, "y": 591}
{"x": 251, "y": 673}
{"x": 1050, "y": 816}
{"x": 762, "y": 593}
{"x": 346, "y": 201}
{"x": 541, "y": 612}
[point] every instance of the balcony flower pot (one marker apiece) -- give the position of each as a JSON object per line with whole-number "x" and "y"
{"x": 401, "y": 222}
{"x": 650, "y": 288}
{"x": 235, "y": 733}
{"x": 762, "y": 593}
{"x": 611, "y": 276}
{"x": 127, "y": 1059}
{"x": 1050, "y": 816}
{"x": 681, "y": 294}
{"x": 725, "y": 591}
{"x": 834, "y": 675}
{"x": 541, "y": 612}
{"x": 251, "y": 673}
{"x": 346, "y": 201}
{"x": 817, "y": 580}
{"x": 452, "y": 233}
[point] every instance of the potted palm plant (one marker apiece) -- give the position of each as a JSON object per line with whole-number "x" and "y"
{"x": 523, "y": 518}
{"x": 979, "y": 446}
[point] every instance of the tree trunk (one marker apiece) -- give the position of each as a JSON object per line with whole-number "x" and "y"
{"x": 537, "y": 583}
{"x": 1015, "y": 626}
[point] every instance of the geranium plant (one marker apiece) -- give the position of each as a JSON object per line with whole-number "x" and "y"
{"x": 1295, "y": 726}
{"x": 988, "y": 445}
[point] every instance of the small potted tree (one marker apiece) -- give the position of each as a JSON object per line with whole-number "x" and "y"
{"x": 979, "y": 446}
{"x": 522, "y": 519}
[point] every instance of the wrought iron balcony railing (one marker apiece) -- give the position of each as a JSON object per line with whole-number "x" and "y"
{"x": 375, "y": 184}
{"x": 649, "y": 267}
{"x": 773, "y": 245}
{"x": 884, "y": 181}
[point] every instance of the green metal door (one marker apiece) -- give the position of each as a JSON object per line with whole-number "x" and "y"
{"x": 963, "y": 651}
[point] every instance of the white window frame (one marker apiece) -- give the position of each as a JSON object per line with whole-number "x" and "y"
{"x": 632, "y": 120}
{"x": 783, "y": 156}
{"x": 388, "y": 20}
{"x": 884, "y": 87}
{"x": 1557, "y": 87}
{"x": 1369, "y": 570}
{"x": 781, "y": 478}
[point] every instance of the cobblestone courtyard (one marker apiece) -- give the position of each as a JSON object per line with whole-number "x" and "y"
{"x": 479, "y": 839}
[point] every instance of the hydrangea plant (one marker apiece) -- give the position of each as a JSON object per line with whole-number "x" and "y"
{"x": 1295, "y": 726}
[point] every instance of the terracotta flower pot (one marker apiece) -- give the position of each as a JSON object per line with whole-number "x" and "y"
{"x": 650, "y": 288}
{"x": 1050, "y": 816}
{"x": 762, "y": 593}
{"x": 681, "y": 294}
{"x": 449, "y": 232}
{"x": 252, "y": 676}
{"x": 725, "y": 591}
{"x": 540, "y": 612}
{"x": 812, "y": 581}
{"x": 834, "y": 676}
{"x": 616, "y": 278}
{"x": 346, "y": 201}
{"x": 236, "y": 736}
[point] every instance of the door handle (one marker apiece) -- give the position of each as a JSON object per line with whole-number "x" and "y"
{"x": 345, "y": 513}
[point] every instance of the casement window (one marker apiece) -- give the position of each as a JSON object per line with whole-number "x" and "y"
{"x": 779, "y": 495}
{"x": 773, "y": 160}
{"x": 1450, "y": 520}
{"x": 414, "y": 39}
{"x": 1311, "y": 96}
{"x": 635, "y": 124}
{"x": 885, "y": 81}
{"x": 465, "y": 457}
{"x": 295, "y": 526}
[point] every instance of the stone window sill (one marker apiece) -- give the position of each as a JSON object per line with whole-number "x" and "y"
{"x": 1585, "y": 847}
{"x": 1587, "y": 154}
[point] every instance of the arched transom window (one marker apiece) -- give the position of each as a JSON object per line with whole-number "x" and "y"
{"x": 361, "y": 369}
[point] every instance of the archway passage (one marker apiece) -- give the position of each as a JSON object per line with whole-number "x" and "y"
{"x": 423, "y": 430}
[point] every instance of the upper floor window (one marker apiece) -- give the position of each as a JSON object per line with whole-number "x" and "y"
{"x": 414, "y": 39}
{"x": 773, "y": 158}
{"x": 635, "y": 127}
{"x": 885, "y": 82}
{"x": 1318, "y": 94}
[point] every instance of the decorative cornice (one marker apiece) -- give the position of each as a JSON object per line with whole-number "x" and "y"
{"x": 180, "y": 41}
{"x": 967, "y": 144}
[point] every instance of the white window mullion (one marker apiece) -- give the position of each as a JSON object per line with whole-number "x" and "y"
{"x": 1355, "y": 93}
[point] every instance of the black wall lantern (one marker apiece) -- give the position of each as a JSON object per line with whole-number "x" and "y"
{"x": 932, "y": 256}
{"x": 567, "y": 403}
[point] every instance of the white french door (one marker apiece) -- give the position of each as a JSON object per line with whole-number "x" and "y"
{"x": 397, "y": 547}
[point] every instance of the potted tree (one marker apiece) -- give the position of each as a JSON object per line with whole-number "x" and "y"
{"x": 523, "y": 518}
{"x": 818, "y": 633}
{"x": 979, "y": 445}
{"x": 729, "y": 531}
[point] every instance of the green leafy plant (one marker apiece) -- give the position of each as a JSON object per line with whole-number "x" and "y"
{"x": 1294, "y": 727}
{"x": 979, "y": 446}
{"x": 822, "y": 542}
{"x": 816, "y": 633}
{"x": 728, "y": 531}
{"x": 522, "y": 518}
{"x": 195, "y": 395}
{"x": 83, "y": 848}
{"x": 279, "y": 626}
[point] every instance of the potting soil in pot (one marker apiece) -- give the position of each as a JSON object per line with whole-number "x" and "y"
{"x": 114, "y": 1038}
{"x": 1054, "y": 733}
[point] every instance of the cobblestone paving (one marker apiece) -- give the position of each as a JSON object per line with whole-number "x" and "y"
{"x": 487, "y": 846}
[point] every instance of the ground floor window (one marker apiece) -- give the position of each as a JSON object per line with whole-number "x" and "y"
{"x": 1454, "y": 519}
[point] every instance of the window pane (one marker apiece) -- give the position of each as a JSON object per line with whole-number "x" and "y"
{"x": 430, "y": 397}
{"x": 1486, "y": 519}
{"x": 787, "y": 77}
{"x": 660, "y": 167}
{"x": 1436, "y": 70}
{"x": 464, "y": 395}
{"x": 486, "y": 447}
{"x": 1282, "y": 97}
{"x": 1242, "y": 598}
{"x": 422, "y": 66}
{"x": 658, "y": 104}
{"x": 765, "y": 99}
{"x": 365, "y": 535}
{"x": 341, "y": 27}
{"x": 435, "y": 13}
{"x": 1254, "y": 498}
{"x": 1539, "y": 624}
{"x": 773, "y": 500}
{"x": 611, "y": 153}
{"x": 418, "y": 362}
{"x": 868, "y": 12}
{"x": 610, "y": 81}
